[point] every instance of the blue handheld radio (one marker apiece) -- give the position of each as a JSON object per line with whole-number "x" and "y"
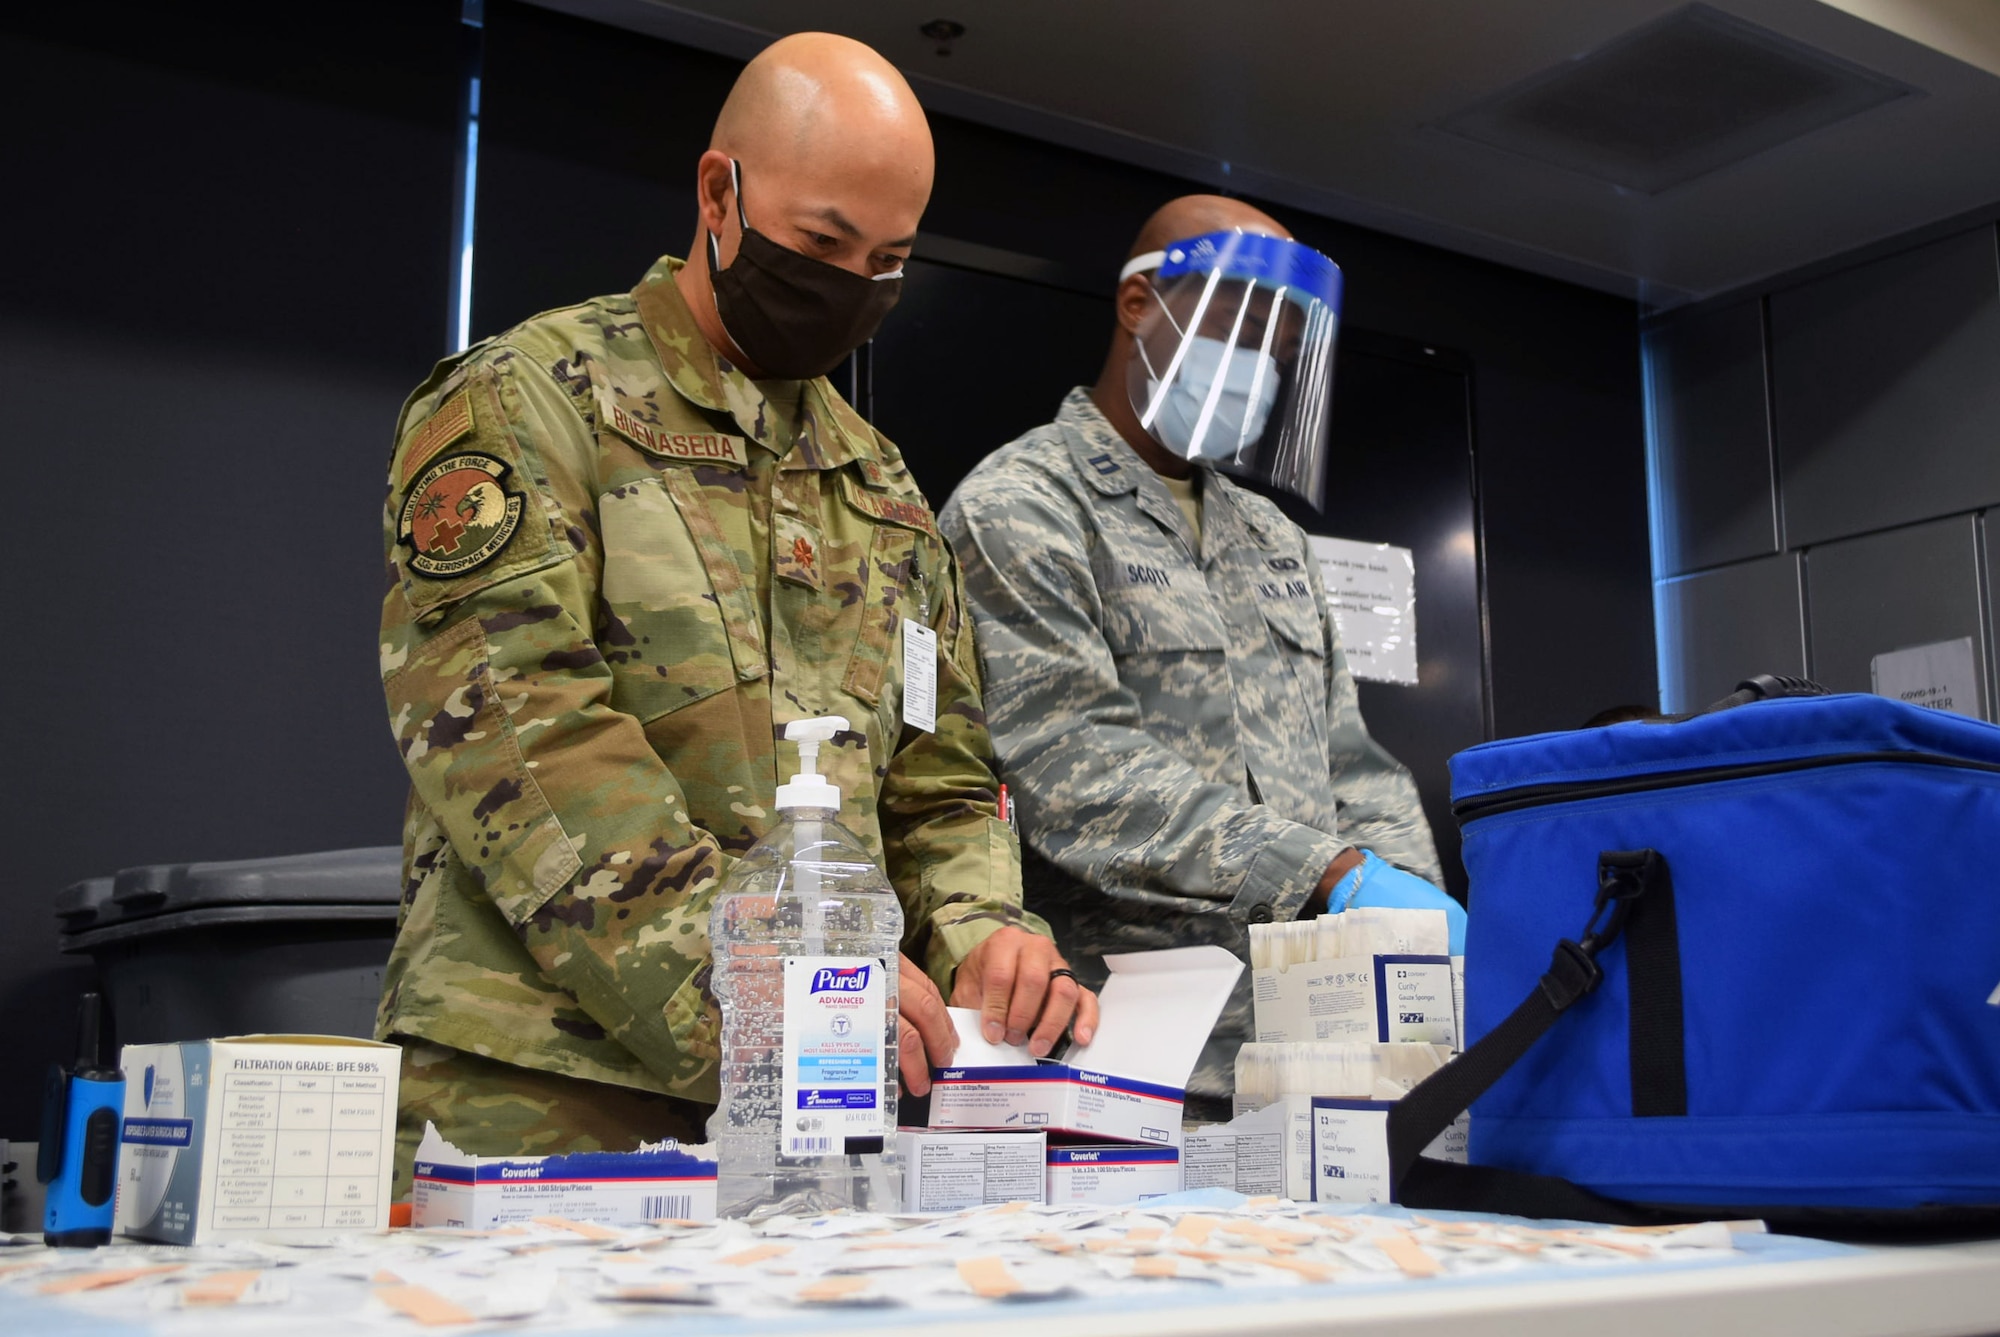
{"x": 81, "y": 1113}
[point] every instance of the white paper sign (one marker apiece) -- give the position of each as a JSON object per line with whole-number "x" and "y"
{"x": 920, "y": 655}
{"x": 1371, "y": 590}
{"x": 1940, "y": 676}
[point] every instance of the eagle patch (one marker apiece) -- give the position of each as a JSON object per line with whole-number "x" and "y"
{"x": 459, "y": 515}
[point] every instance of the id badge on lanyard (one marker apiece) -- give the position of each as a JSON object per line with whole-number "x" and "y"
{"x": 920, "y": 654}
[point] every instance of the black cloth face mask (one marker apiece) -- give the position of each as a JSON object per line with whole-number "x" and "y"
{"x": 793, "y": 316}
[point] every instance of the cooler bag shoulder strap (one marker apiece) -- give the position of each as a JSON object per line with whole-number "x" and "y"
{"x": 1635, "y": 899}
{"x": 1657, "y": 1042}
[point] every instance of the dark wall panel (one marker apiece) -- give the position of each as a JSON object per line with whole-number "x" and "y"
{"x": 239, "y": 243}
{"x": 1887, "y": 390}
{"x": 1992, "y": 590}
{"x": 1402, "y": 440}
{"x": 588, "y": 142}
{"x": 1711, "y": 435}
{"x": 951, "y": 384}
{"x": 1891, "y": 591}
{"x": 211, "y": 174}
{"x": 1723, "y": 626}
{"x": 1560, "y": 427}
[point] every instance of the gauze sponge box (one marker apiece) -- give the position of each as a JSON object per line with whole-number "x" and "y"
{"x": 1127, "y": 1085}
{"x": 1330, "y": 1100}
{"x": 267, "y": 1137}
{"x": 660, "y": 1181}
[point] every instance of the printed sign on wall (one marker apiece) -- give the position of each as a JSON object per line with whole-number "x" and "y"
{"x": 1371, "y": 589}
{"x": 1940, "y": 676}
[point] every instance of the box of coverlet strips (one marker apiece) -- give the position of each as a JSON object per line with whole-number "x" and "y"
{"x": 660, "y": 1181}
{"x": 1370, "y": 973}
{"x": 1127, "y": 1085}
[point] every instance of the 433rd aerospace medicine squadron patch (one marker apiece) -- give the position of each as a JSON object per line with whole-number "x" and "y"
{"x": 458, "y": 516}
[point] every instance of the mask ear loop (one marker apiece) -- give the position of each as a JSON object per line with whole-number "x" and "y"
{"x": 1200, "y": 311}
{"x": 1160, "y": 387}
{"x": 1165, "y": 310}
{"x": 742, "y": 219}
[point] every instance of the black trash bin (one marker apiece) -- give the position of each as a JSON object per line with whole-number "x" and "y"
{"x": 293, "y": 945}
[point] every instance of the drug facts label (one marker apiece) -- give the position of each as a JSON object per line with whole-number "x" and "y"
{"x": 919, "y": 676}
{"x": 835, "y": 1012}
{"x": 1249, "y": 1163}
{"x": 953, "y": 1171}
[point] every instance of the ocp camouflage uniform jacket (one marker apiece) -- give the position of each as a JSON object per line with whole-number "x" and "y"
{"x": 1181, "y": 733}
{"x": 612, "y": 588}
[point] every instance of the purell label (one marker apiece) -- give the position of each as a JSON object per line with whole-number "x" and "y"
{"x": 835, "y": 1011}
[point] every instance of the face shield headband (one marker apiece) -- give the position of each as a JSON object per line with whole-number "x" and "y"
{"x": 1234, "y": 367}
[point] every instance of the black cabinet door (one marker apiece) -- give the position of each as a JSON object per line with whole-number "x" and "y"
{"x": 1402, "y": 470}
{"x": 969, "y": 360}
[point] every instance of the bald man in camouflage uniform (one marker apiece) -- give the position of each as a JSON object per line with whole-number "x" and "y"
{"x": 1174, "y": 716}
{"x": 624, "y": 559}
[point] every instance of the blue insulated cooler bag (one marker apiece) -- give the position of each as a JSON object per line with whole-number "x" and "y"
{"x": 1741, "y": 963}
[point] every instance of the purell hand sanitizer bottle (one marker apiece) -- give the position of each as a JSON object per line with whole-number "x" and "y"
{"x": 805, "y": 932}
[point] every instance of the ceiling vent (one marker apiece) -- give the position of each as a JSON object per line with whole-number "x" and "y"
{"x": 1678, "y": 98}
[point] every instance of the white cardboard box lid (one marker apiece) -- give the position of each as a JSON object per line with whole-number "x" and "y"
{"x": 439, "y": 1150}
{"x": 1155, "y": 1013}
{"x": 910, "y": 1137}
{"x": 1268, "y": 1119}
{"x": 974, "y": 1050}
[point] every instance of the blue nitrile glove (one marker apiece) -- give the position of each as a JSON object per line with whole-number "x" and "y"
{"x": 1383, "y": 884}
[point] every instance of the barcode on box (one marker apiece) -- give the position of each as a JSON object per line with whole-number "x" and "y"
{"x": 666, "y": 1206}
{"x": 809, "y": 1146}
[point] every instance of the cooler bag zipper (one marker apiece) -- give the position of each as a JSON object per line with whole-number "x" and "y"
{"x": 1536, "y": 796}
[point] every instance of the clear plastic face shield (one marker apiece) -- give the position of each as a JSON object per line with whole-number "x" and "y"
{"x": 1234, "y": 362}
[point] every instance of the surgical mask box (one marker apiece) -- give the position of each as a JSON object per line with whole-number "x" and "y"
{"x": 662, "y": 1182}
{"x": 1127, "y": 1085}
{"x": 1390, "y": 998}
{"x": 283, "y": 1138}
{"x": 1112, "y": 1174}
{"x": 946, "y": 1172}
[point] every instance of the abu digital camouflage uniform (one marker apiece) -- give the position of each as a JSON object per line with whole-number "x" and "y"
{"x": 1180, "y": 732}
{"x": 619, "y": 572}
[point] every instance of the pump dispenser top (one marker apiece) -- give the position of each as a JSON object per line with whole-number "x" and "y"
{"x": 809, "y": 789}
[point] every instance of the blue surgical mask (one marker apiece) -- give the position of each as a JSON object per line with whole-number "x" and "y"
{"x": 1238, "y": 418}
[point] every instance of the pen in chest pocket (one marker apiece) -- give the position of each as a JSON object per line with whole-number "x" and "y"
{"x": 923, "y": 588}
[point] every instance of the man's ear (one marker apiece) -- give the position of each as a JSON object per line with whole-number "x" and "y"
{"x": 1134, "y": 299}
{"x": 715, "y": 199}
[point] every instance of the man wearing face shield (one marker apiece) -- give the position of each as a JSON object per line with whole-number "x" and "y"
{"x": 630, "y": 541}
{"x": 1174, "y": 716}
